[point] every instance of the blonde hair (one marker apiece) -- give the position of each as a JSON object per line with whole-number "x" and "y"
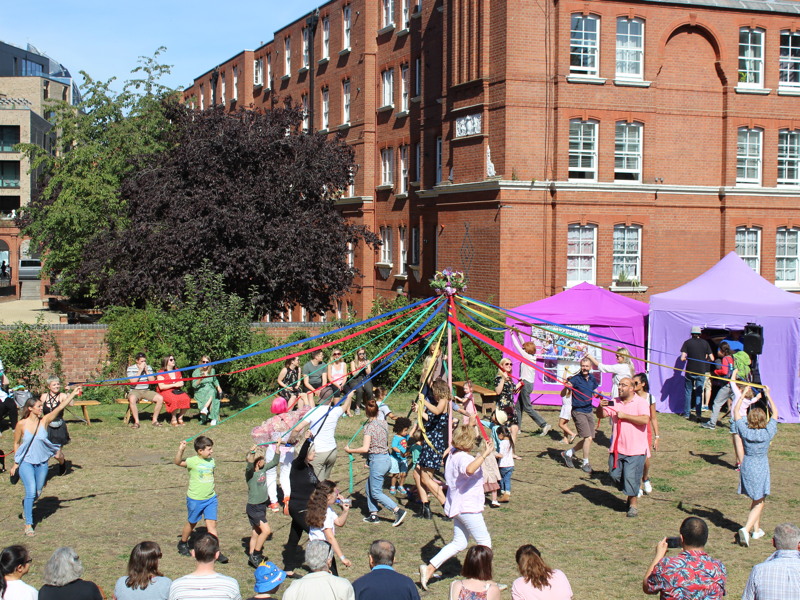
{"x": 529, "y": 347}
{"x": 464, "y": 438}
{"x": 757, "y": 418}
{"x": 626, "y": 359}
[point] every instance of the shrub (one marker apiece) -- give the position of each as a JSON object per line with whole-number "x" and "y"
{"x": 23, "y": 350}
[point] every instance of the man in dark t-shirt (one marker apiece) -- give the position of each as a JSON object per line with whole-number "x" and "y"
{"x": 582, "y": 387}
{"x": 697, "y": 355}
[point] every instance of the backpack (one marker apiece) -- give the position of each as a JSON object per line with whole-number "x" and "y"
{"x": 741, "y": 362}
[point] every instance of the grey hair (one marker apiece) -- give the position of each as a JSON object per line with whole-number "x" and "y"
{"x": 318, "y": 554}
{"x": 382, "y": 552}
{"x": 53, "y": 379}
{"x": 63, "y": 567}
{"x": 786, "y": 536}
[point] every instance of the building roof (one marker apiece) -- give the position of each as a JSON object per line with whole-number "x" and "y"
{"x": 766, "y": 6}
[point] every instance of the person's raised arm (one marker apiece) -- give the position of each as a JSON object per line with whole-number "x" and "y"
{"x": 478, "y": 460}
{"x": 661, "y": 552}
{"x": 301, "y": 456}
{"x": 49, "y": 417}
{"x": 772, "y": 406}
{"x": 178, "y": 460}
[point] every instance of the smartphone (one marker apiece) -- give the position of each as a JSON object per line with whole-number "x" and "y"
{"x": 611, "y": 403}
{"x": 673, "y": 542}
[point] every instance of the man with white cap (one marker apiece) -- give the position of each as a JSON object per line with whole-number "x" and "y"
{"x": 697, "y": 355}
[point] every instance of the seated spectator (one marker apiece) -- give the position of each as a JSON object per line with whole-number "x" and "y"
{"x": 538, "y": 581}
{"x": 778, "y": 577}
{"x": 319, "y": 584}
{"x": 15, "y": 562}
{"x": 205, "y": 582}
{"x": 383, "y": 582}
{"x": 690, "y": 574}
{"x": 477, "y": 572}
{"x": 144, "y": 581}
{"x": 268, "y": 579}
{"x": 141, "y": 376}
{"x": 62, "y": 578}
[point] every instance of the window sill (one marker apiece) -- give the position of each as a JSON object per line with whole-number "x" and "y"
{"x": 344, "y": 51}
{"x": 789, "y": 91}
{"x": 414, "y": 268}
{"x": 384, "y": 187}
{"x": 417, "y": 99}
{"x": 388, "y": 29}
{"x": 402, "y": 114}
{"x": 257, "y": 85}
{"x": 286, "y": 77}
{"x": 385, "y": 108}
{"x": 572, "y": 284}
{"x": 413, "y": 183}
{"x": 631, "y": 181}
{"x": 401, "y": 196}
{"x": 586, "y": 79}
{"x": 323, "y": 131}
{"x": 747, "y": 184}
{"x": 417, "y": 13}
{"x": 788, "y": 287}
{"x": 323, "y": 61}
{"x": 471, "y": 136}
{"x": 751, "y": 90}
{"x": 303, "y": 70}
{"x": 401, "y": 276}
{"x": 344, "y": 126}
{"x": 402, "y": 32}
{"x": 586, "y": 180}
{"x": 631, "y": 83}
{"x": 384, "y": 265}
{"x": 638, "y": 289}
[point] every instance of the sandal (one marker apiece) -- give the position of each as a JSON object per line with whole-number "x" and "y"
{"x": 173, "y": 423}
{"x": 157, "y": 424}
{"x": 180, "y": 421}
{"x": 29, "y": 531}
{"x": 134, "y": 426}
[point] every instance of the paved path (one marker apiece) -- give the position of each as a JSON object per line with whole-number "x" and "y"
{"x": 26, "y": 311}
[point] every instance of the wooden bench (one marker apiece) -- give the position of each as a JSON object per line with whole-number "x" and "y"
{"x": 128, "y": 415}
{"x": 84, "y": 404}
{"x": 488, "y": 398}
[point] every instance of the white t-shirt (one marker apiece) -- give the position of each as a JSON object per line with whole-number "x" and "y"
{"x": 383, "y": 412}
{"x": 318, "y": 533}
{"x": 19, "y": 590}
{"x": 508, "y": 456}
{"x": 324, "y": 429}
{"x": 205, "y": 587}
{"x": 619, "y": 370}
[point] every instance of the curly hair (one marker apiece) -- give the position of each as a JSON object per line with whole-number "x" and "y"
{"x": 318, "y": 503}
{"x": 440, "y": 390}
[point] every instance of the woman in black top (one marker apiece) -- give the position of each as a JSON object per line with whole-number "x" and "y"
{"x": 62, "y": 578}
{"x": 303, "y": 481}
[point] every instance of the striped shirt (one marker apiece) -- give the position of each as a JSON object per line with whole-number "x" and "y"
{"x": 205, "y": 587}
{"x": 777, "y": 578}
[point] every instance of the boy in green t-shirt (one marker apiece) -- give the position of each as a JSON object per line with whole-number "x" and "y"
{"x": 201, "y": 499}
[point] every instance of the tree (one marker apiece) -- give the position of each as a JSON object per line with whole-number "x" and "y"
{"x": 24, "y": 348}
{"x": 247, "y": 192}
{"x": 78, "y": 200}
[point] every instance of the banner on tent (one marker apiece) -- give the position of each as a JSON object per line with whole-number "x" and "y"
{"x": 559, "y": 350}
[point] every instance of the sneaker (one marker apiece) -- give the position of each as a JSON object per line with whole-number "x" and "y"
{"x": 213, "y": 422}
{"x": 423, "y": 577}
{"x": 393, "y": 490}
{"x": 274, "y": 507}
{"x": 738, "y": 465}
{"x": 632, "y": 512}
{"x": 399, "y": 515}
{"x": 759, "y": 533}
{"x": 204, "y": 411}
{"x": 372, "y": 519}
{"x": 744, "y": 538}
{"x": 222, "y": 559}
{"x": 640, "y": 494}
{"x": 648, "y": 488}
{"x": 401, "y": 490}
{"x": 708, "y": 425}
{"x": 567, "y": 459}
{"x": 255, "y": 559}
{"x": 494, "y": 504}
{"x": 586, "y": 468}
{"x": 183, "y": 548}
{"x": 502, "y": 587}
{"x": 546, "y": 429}
{"x": 704, "y": 408}
{"x": 358, "y": 412}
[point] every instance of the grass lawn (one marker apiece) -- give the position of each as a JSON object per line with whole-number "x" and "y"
{"x": 124, "y": 489}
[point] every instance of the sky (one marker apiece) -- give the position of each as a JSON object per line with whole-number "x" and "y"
{"x": 106, "y": 37}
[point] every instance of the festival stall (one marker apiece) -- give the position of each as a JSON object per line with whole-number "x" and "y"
{"x": 578, "y": 320}
{"x": 728, "y": 296}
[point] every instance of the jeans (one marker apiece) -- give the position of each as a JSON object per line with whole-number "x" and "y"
{"x": 505, "y": 478}
{"x": 524, "y": 403}
{"x": 724, "y": 393}
{"x": 465, "y": 525}
{"x": 378, "y": 468}
{"x": 33, "y": 477}
{"x": 693, "y": 387}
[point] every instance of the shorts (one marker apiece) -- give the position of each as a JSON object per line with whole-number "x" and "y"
{"x": 397, "y": 466}
{"x": 206, "y": 509}
{"x": 256, "y": 514}
{"x": 628, "y": 474}
{"x": 584, "y": 423}
{"x": 149, "y": 395}
{"x": 707, "y": 384}
{"x": 566, "y": 409}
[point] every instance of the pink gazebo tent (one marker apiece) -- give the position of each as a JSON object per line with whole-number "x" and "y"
{"x": 729, "y": 295}
{"x": 608, "y": 319}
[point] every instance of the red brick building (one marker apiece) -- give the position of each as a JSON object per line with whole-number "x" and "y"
{"x": 537, "y": 145}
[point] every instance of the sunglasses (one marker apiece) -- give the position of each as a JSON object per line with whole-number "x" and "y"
{"x": 203, "y": 362}
{"x": 337, "y": 354}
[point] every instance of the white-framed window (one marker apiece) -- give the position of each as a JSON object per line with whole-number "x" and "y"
{"x": 584, "y": 45}
{"x": 269, "y": 70}
{"x": 346, "y": 101}
{"x": 387, "y": 166}
{"x": 787, "y": 273}
{"x": 789, "y": 65}
{"x": 748, "y": 246}
{"x": 326, "y": 105}
{"x": 417, "y": 162}
{"x": 439, "y": 159}
{"x": 405, "y": 12}
{"x": 403, "y": 170}
{"x": 788, "y": 157}
{"x": 350, "y": 255}
{"x": 387, "y": 89}
{"x": 630, "y": 48}
{"x": 414, "y": 256}
{"x": 303, "y": 314}
{"x": 627, "y": 257}
{"x": 386, "y": 245}
{"x": 222, "y": 87}
{"x": 417, "y": 76}
{"x": 583, "y": 149}
{"x": 351, "y": 186}
{"x": 235, "y": 91}
{"x": 258, "y": 71}
{"x": 404, "y": 89}
{"x": 748, "y": 156}
{"x": 287, "y": 55}
{"x": 581, "y": 254}
{"x": 304, "y": 103}
{"x": 387, "y": 12}
{"x": 628, "y": 151}
{"x": 326, "y": 37}
{"x": 202, "y": 98}
{"x": 306, "y": 45}
{"x": 751, "y": 57}
{"x": 401, "y": 241}
{"x": 338, "y": 310}
{"x": 346, "y": 16}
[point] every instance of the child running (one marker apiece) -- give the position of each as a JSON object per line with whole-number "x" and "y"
{"x": 323, "y": 521}
{"x": 506, "y": 462}
{"x": 398, "y": 454}
{"x": 257, "y": 500}
{"x": 201, "y": 498}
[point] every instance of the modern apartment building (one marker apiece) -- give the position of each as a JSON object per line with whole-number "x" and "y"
{"x": 536, "y": 145}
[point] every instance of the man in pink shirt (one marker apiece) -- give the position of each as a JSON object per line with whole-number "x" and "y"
{"x": 629, "y": 415}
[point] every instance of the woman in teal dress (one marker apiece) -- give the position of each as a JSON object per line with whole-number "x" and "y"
{"x": 207, "y": 391}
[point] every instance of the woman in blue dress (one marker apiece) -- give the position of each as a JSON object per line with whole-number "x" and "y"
{"x": 435, "y": 427}
{"x": 756, "y": 432}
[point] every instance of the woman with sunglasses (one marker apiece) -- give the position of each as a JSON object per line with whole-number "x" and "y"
{"x": 176, "y": 401}
{"x": 207, "y": 391}
{"x": 361, "y": 369}
{"x": 504, "y": 386}
{"x": 337, "y": 376}
{"x": 642, "y": 387}
{"x": 15, "y": 562}
{"x": 289, "y": 383}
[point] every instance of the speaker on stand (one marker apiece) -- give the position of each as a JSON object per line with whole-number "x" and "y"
{"x": 753, "y": 342}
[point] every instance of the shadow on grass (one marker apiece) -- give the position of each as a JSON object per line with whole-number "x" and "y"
{"x": 710, "y": 514}
{"x": 713, "y": 459}
{"x": 598, "y": 496}
{"x": 452, "y": 566}
{"x": 47, "y": 506}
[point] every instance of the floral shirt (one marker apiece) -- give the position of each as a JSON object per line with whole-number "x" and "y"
{"x": 691, "y": 575}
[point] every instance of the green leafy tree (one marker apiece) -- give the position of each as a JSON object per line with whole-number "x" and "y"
{"x": 24, "y": 349}
{"x": 78, "y": 200}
